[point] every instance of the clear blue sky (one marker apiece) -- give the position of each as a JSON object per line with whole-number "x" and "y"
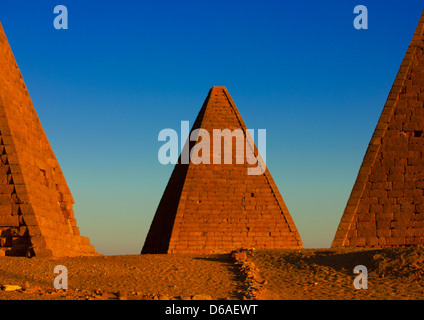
{"x": 124, "y": 70}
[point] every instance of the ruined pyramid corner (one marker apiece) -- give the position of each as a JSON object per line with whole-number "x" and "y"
{"x": 36, "y": 205}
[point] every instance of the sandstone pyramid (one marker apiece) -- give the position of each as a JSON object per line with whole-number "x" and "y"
{"x": 386, "y": 206}
{"x": 36, "y": 215}
{"x": 216, "y": 208}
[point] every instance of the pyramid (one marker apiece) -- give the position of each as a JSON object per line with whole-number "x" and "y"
{"x": 36, "y": 215}
{"x": 386, "y": 205}
{"x": 217, "y": 208}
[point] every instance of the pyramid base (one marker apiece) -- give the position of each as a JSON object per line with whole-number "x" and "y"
{"x": 380, "y": 243}
{"x": 205, "y": 250}
{"x": 50, "y": 248}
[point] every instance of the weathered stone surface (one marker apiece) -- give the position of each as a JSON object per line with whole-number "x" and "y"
{"x": 386, "y": 206}
{"x": 36, "y": 216}
{"x": 217, "y": 208}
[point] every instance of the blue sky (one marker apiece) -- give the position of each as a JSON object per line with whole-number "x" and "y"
{"x": 123, "y": 71}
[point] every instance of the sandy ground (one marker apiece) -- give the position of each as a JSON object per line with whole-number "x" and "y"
{"x": 290, "y": 275}
{"x": 328, "y": 274}
{"x": 124, "y": 277}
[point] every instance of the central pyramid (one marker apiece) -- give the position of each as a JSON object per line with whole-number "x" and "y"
{"x": 217, "y": 208}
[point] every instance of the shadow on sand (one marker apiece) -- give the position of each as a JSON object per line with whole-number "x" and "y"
{"x": 227, "y": 261}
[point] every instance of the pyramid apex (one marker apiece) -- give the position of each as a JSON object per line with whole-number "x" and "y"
{"x": 218, "y": 88}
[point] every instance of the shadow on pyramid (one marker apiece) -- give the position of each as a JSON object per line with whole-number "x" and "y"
{"x": 36, "y": 215}
{"x": 386, "y": 205}
{"x": 217, "y": 208}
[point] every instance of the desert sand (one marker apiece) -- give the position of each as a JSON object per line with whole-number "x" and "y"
{"x": 317, "y": 274}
